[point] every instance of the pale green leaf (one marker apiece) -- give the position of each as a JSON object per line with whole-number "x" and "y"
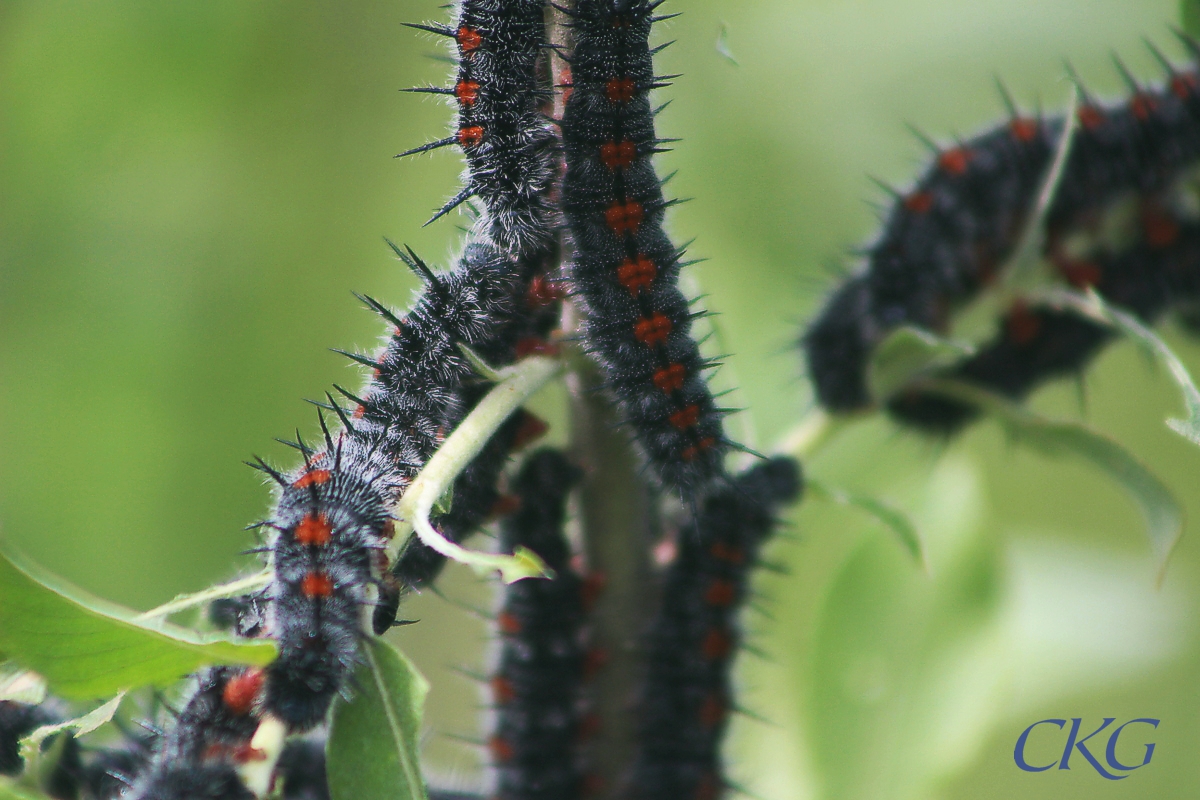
{"x": 1160, "y": 509}
{"x": 372, "y": 751}
{"x": 909, "y": 353}
{"x": 10, "y": 791}
{"x": 21, "y": 686}
{"x": 1093, "y": 306}
{"x": 892, "y": 518}
{"x": 79, "y": 726}
{"x": 86, "y": 648}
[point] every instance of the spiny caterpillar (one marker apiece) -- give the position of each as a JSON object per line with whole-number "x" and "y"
{"x": 625, "y": 270}
{"x": 1035, "y": 344}
{"x": 332, "y": 522}
{"x": 510, "y": 148}
{"x": 687, "y": 694}
{"x": 945, "y": 240}
{"x": 198, "y": 757}
{"x": 536, "y": 687}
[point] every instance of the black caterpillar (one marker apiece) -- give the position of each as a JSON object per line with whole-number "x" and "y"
{"x": 511, "y": 150}
{"x": 625, "y": 269}
{"x": 687, "y": 693}
{"x": 536, "y": 687}
{"x": 332, "y": 522}
{"x": 945, "y": 240}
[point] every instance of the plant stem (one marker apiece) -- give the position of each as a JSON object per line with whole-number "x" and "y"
{"x": 618, "y": 534}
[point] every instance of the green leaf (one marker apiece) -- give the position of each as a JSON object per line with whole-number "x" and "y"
{"x": 1093, "y": 306}
{"x": 1160, "y": 509}
{"x": 86, "y": 647}
{"x": 372, "y": 750}
{"x": 10, "y": 791}
{"x": 80, "y": 725}
{"x": 903, "y": 676}
{"x": 906, "y": 354}
{"x": 1189, "y": 13}
{"x": 21, "y": 686}
{"x": 893, "y": 518}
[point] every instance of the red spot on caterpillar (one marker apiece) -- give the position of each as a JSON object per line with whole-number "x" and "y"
{"x": 592, "y": 588}
{"x": 616, "y": 155}
{"x": 1090, "y": 117}
{"x": 670, "y": 378}
{"x": 531, "y": 429}
{"x": 535, "y": 346}
{"x": 470, "y": 135}
{"x": 716, "y": 645}
{"x": 1080, "y": 274}
{"x": 314, "y": 530}
{"x": 388, "y": 530}
{"x": 1142, "y": 106}
{"x": 1159, "y": 228}
{"x": 468, "y": 38}
{"x": 467, "y": 92}
{"x": 502, "y": 690}
{"x": 564, "y": 80}
{"x": 593, "y": 785}
{"x": 636, "y": 275}
{"x": 955, "y": 161}
{"x": 589, "y": 726}
{"x": 501, "y": 750}
{"x": 1021, "y": 325}
{"x": 720, "y": 594}
{"x": 543, "y": 292}
{"x": 919, "y": 202}
{"x": 359, "y": 411}
{"x": 508, "y": 623}
{"x": 622, "y": 217}
{"x": 619, "y": 90}
{"x": 707, "y": 789}
{"x": 1023, "y": 129}
{"x": 685, "y": 418}
{"x": 693, "y": 452}
{"x": 314, "y": 477}
{"x": 653, "y": 331}
{"x": 727, "y": 553}
{"x": 246, "y": 752}
{"x": 505, "y": 504}
{"x": 316, "y": 584}
{"x": 594, "y": 661}
{"x": 712, "y": 711}
{"x": 242, "y": 690}
{"x": 1182, "y": 86}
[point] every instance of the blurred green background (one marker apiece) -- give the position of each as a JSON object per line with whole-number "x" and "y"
{"x": 189, "y": 191}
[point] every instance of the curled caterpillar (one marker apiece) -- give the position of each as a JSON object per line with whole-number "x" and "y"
{"x": 1038, "y": 344}
{"x": 625, "y": 269}
{"x": 687, "y": 694}
{"x": 945, "y": 239}
{"x": 537, "y": 685}
{"x": 510, "y": 148}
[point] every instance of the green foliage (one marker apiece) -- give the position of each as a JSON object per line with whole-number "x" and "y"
{"x": 86, "y": 648}
{"x": 9, "y": 791}
{"x": 1055, "y": 439}
{"x": 907, "y": 354}
{"x": 1189, "y": 11}
{"x": 1093, "y": 306}
{"x": 373, "y": 738}
{"x": 894, "y": 519}
{"x": 896, "y": 651}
